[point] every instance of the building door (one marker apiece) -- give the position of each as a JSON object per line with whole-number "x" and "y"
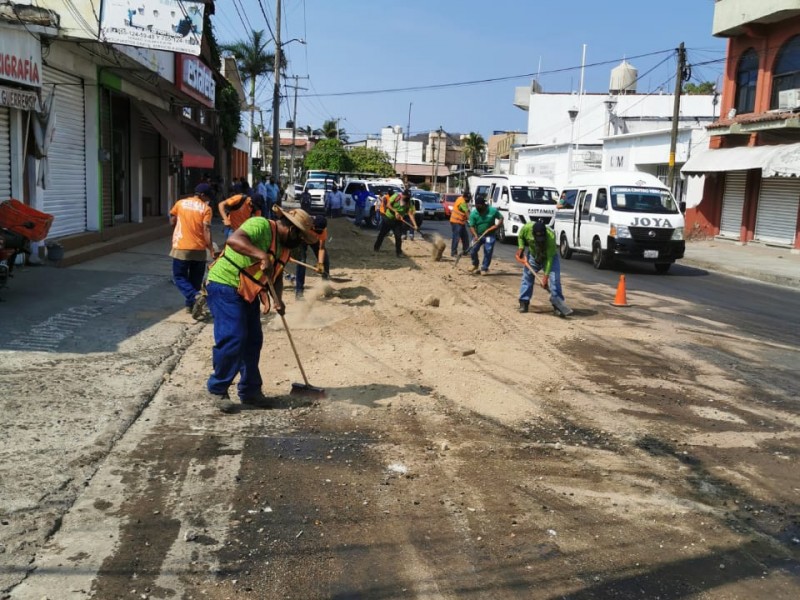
{"x": 5, "y": 154}
{"x": 65, "y": 198}
{"x": 776, "y": 217}
{"x": 730, "y": 223}
{"x": 119, "y": 172}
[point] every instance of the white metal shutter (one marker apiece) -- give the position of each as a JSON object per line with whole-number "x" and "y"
{"x": 5, "y": 154}
{"x": 65, "y": 199}
{"x": 730, "y": 223}
{"x": 776, "y": 217}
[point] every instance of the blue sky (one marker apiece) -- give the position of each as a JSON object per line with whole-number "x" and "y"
{"x": 368, "y": 45}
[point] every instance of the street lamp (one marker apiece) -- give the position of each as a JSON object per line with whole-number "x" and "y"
{"x": 276, "y": 94}
{"x": 573, "y": 114}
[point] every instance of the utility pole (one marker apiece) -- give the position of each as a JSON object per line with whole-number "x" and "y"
{"x": 276, "y": 97}
{"x": 294, "y": 124}
{"x": 676, "y": 111}
{"x": 408, "y": 133}
{"x": 437, "y": 150}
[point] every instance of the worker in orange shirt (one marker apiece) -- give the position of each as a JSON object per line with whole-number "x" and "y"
{"x": 458, "y": 222}
{"x": 236, "y": 210}
{"x": 320, "y": 251}
{"x": 191, "y": 242}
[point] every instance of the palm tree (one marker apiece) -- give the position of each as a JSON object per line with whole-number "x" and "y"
{"x": 474, "y": 146}
{"x": 253, "y": 62}
{"x": 330, "y": 129}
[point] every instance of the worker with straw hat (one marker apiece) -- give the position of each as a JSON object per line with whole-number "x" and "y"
{"x": 254, "y": 256}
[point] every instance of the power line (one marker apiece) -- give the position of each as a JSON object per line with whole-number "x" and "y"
{"x": 483, "y": 81}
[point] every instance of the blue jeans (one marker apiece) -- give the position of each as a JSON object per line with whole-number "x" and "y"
{"x": 300, "y": 270}
{"x": 359, "y": 214}
{"x": 487, "y": 242}
{"x": 459, "y": 235}
{"x": 237, "y": 341}
{"x": 188, "y": 277}
{"x": 528, "y": 281}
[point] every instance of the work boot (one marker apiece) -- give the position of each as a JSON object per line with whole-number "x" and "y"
{"x": 221, "y": 402}
{"x": 474, "y": 269}
{"x": 298, "y": 295}
{"x": 524, "y": 305}
{"x": 199, "y": 310}
{"x": 258, "y": 400}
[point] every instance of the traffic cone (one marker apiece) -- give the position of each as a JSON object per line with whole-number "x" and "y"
{"x": 621, "y": 298}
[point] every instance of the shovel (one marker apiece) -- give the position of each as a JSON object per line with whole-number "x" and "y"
{"x": 468, "y": 250}
{"x": 305, "y": 388}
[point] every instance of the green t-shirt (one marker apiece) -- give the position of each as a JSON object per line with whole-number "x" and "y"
{"x": 395, "y": 207}
{"x": 260, "y": 234}
{"x": 544, "y": 258}
{"x": 481, "y": 222}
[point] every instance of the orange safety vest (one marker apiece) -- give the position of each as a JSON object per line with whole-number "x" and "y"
{"x": 457, "y": 215}
{"x": 252, "y": 280}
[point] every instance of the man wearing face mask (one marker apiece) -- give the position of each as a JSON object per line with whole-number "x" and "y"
{"x": 255, "y": 252}
{"x": 537, "y": 252}
{"x": 483, "y": 222}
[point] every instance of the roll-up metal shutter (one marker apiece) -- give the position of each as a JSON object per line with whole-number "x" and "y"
{"x": 150, "y": 151}
{"x": 65, "y": 199}
{"x": 730, "y": 223}
{"x": 5, "y": 154}
{"x": 776, "y": 217}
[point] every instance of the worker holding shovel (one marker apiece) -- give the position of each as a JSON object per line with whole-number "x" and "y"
{"x": 537, "y": 252}
{"x": 483, "y": 222}
{"x": 251, "y": 263}
{"x": 319, "y": 250}
{"x": 395, "y": 210}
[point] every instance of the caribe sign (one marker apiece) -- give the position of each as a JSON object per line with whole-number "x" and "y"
{"x": 20, "y": 58}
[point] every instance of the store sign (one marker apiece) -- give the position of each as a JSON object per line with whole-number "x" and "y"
{"x": 20, "y": 57}
{"x": 19, "y": 99}
{"x": 195, "y": 79}
{"x": 172, "y": 25}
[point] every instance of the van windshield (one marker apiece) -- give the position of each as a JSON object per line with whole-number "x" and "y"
{"x": 319, "y": 185}
{"x": 533, "y": 195}
{"x": 642, "y": 200}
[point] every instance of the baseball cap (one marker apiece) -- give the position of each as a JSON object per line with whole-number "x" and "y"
{"x": 480, "y": 201}
{"x": 539, "y": 230}
{"x": 320, "y": 223}
{"x": 203, "y": 188}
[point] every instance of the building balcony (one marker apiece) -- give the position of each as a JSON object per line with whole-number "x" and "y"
{"x": 736, "y": 17}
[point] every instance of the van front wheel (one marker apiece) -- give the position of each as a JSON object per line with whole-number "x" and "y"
{"x": 563, "y": 247}
{"x": 500, "y": 235}
{"x": 599, "y": 258}
{"x": 662, "y": 267}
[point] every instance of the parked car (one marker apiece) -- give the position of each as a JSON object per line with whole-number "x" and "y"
{"x": 316, "y": 188}
{"x": 430, "y": 204}
{"x": 448, "y": 200}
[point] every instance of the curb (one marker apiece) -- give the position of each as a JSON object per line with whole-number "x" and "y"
{"x": 771, "y": 278}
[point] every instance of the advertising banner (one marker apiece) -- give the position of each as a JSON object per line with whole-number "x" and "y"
{"x": 195, "y": 79}
{"x": 20, "y": 57}
{"x": 172, "y": 25}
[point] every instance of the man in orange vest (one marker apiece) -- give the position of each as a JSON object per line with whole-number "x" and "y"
{"x": 258, "y": 250}
{"x": 191, "y": 239}
{"x": 458, "y": 222}
{"x": 236, "y": 210}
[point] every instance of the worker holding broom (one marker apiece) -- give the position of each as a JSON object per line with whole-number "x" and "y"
{"x": 483, "y": 222}
{"x": 237, "y": 282}
{"x": 536, "y": 251}
{"x": 398, "y": 211}
{"x": 319, "y": 250}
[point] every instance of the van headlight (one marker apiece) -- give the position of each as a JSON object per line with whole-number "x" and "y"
{"x": 515, "y": 218}
{"x": 677, "y": 234}
{"x": 621, "y": 232}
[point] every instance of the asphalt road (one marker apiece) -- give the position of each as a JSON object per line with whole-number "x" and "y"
{"x": 764, "y": 311}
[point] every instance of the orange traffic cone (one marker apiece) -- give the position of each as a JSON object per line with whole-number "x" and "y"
{"x": 621, "y": 298}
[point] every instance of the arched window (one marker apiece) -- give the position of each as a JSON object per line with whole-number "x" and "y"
{"x": 786, "y": 73}
{"x": 746, "y": 78}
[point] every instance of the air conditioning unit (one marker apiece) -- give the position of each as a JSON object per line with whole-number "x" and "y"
{"x": 789, "y": 99}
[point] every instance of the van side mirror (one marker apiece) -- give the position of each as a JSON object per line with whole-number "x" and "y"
{"x": 682, "y": 206}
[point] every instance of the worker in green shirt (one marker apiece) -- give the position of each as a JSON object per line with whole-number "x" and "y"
{"x": 483, "y": 222}
{"x": 536, "y": 250}
{"x": 397, "y": 210}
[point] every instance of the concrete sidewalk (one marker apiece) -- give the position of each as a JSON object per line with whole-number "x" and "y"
{"x": 769, "y": 264}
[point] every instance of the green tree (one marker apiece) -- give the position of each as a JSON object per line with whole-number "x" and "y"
{"x": 229, "y": 113}
{"x": 474, "y": 146}
{"x": 329, "y": 155}
{"x": 330, "y": 130}
{"x": 371, "y": 160}
{"x": 697, "y": 89}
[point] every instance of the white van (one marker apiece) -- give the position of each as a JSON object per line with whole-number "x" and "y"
{"x": 618, "y": 214}
{"x": 519, "y": 199}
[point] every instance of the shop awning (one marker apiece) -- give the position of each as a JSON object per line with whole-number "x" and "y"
{"x": 774, "y": 161}
{"x": 170, "y": 128}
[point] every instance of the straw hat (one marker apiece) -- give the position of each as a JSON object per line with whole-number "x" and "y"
{"x": 300, "y": 219}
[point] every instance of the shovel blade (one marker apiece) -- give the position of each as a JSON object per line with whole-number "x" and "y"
{"x": 561, "y": 307}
